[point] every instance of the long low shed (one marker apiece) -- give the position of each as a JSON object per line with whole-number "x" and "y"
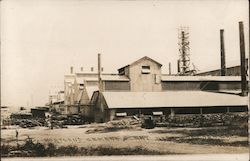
{"x": 113, "y": 103}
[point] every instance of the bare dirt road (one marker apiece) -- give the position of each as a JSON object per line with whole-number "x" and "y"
{"x": 174, "y": 140}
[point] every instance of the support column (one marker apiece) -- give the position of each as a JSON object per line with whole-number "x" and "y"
{"x": 169, "y": 68}
{"x": 172, "y": 113}
{"x": 201, "y": 112}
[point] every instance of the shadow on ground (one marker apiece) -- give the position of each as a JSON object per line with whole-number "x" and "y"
{"x": 215, "y": 131}
{"x": 208, "y": 136}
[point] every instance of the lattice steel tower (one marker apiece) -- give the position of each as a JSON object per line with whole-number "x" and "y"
{"x": 184, "y": 54}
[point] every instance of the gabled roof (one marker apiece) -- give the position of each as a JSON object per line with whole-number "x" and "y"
{"x": 139, "y": 60}
{"x": 91, "y": 89}
{"x": 172, "y": 99}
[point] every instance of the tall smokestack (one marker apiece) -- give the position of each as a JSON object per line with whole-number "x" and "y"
{"x": 242, "y": 60}
{"x": 178, "y": 66}
{"x": 99, "y": 72}
{"x": 71, "y": 70}
{"x": 169, "y": 68}
{"x": 222, "y": 52}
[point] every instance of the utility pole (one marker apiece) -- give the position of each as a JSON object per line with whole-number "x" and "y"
{"x": 99, "y": 72}
{"x": 99, "y": 82}
{"x": 169, "y": 68}
{"x": 244, "y": 89}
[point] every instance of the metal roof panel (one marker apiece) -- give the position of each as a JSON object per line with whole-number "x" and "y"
{"x": 172, "y": 99}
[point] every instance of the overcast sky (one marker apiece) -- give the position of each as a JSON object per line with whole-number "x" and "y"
{"x": 41, "y": 39}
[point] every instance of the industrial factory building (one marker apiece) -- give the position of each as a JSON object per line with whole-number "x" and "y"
{"x": 140, "y": 88}
{"x": 145, "y": 91}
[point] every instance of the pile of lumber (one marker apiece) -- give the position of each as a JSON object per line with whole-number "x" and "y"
{"x": 197, "y": 120}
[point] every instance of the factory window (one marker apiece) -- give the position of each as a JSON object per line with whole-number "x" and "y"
{"x": 157, "y": 113}
{"x": 81, "y": 86}
{"x": 157, "y": 79}
{"x": 122, "y": 71}
{"x": 145, "y": 70}
{"x": 121, "y": 114}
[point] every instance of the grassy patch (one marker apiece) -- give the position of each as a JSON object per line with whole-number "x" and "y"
{"x": 205, "y": 141}
{"x": 31, "y": 149}
{"x": 228, "y": 131}
{"x": 212, "y": 131}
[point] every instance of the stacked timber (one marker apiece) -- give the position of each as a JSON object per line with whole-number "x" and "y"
{"x": 206, "y": 120}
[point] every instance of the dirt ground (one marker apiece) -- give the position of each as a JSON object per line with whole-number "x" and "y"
{"x": 191, "y": 157}
{"x": 165, "y": 140}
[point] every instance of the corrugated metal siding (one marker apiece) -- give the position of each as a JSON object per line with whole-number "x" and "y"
{"x": 230, "y": 85}
{"x": 181, "y": 85}
{"x": 115, "y": 85}
{"x": 86, "y": 111}
{"x": 220, "y": 86}
{"x": 205, "y": 85}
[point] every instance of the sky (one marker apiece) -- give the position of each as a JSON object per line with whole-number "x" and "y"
{"x": 41, "y": 39}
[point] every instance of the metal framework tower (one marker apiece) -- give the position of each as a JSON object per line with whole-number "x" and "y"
{"x": 184, "y": 54}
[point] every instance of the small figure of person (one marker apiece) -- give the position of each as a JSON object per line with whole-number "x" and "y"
{"x": 16, "y": 134}
{"x": 17, "y": 139}
{"x": 29, "y": 140}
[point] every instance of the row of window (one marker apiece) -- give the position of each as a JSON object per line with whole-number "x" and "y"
{"x": 204, "y": 110}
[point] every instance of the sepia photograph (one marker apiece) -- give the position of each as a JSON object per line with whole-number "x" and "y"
{"x": 124, "y": 80}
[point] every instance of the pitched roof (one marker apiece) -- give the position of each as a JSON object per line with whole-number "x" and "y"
{"x": 172, "y": 99}
{"x": 91, "y": 89}
{"x": 147, "y": 58}
{"x": 230, "y": 64}
{"x": 137, "y": 61}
